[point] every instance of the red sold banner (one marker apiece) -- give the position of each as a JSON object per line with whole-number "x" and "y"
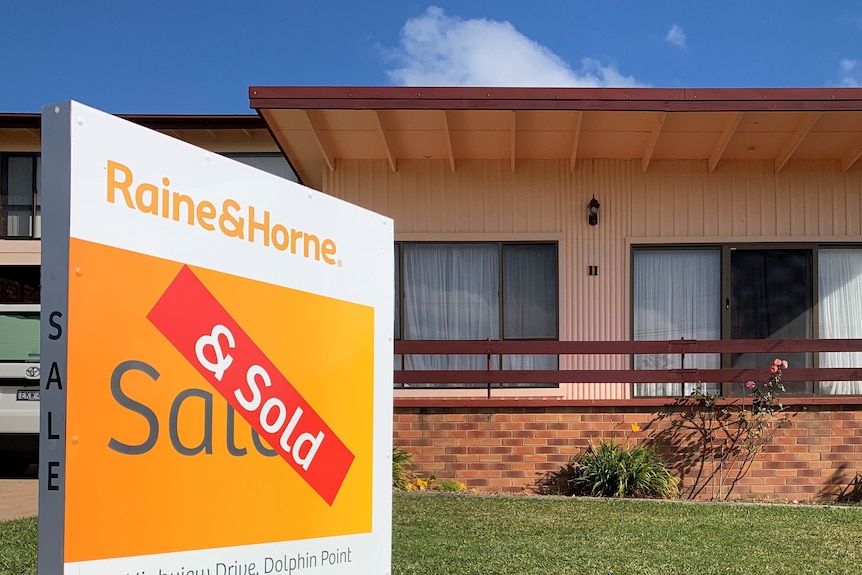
{"x": 197, "y": 325}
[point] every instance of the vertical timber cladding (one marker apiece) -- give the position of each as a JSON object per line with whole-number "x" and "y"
{"x": 217, "y": 395}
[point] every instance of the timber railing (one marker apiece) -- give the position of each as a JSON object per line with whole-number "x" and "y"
{"x": 681, "y": 347}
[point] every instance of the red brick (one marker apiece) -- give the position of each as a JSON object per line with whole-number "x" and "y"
{"x": 524, "y": 417}
{"x": 547, "y": 417}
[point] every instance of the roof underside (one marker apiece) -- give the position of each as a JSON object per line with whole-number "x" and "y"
{"x": 317, "y": 127}
{"x": 234, "y": 133}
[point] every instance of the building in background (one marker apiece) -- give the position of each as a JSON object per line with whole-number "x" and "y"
{"x": 244, "y": 138}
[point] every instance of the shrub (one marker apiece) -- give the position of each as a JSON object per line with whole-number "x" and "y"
{"x": 724, "y": 435}
{"x": 402, "y": 476}
{"x": 450, "y": 486}
{"x": 612, "y": 469}
{"x": 447, "y": 485}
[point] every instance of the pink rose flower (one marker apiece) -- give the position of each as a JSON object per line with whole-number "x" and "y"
{"x": 784, "y": 364}
{"x": 777, "y": 361}
{"x": 749, "y": 384}
{"x": 773, "y": 368}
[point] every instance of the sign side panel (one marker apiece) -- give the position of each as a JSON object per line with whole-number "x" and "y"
{"x": 56, "y": 182}
{"x": 382, "y": 271}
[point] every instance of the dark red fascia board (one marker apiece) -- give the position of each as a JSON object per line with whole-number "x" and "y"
{"x": 610, "y": 99}
{"x": 156, "y": 122}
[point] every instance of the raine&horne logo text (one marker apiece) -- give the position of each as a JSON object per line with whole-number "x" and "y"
{"x": 231, "y": 218}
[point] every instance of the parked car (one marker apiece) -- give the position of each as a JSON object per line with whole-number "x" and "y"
{"x": 19, "y": 387}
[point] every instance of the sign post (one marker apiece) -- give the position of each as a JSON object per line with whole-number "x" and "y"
{"x": 217, "y": 363}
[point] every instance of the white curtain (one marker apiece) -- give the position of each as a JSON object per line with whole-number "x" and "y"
{"x": 451, "y": 291}
{"x": 677, "y": 294}
{"x": 840, "y": 312}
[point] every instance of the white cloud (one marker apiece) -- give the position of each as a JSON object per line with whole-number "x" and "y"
{"x": 849, "y": 73}
{"x": 439, "y": 50}
{"x": 676, "y": 36}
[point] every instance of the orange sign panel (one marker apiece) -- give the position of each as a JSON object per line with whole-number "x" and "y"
{"x": 210, "y": 401}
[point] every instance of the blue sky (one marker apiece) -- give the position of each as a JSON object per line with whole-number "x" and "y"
{"x": 191, "y": 56}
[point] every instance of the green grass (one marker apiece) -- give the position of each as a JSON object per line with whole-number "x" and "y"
{"x": 517, "y": 535}
{"x": 436, "y": 534}
{"x": 18, "y": 547}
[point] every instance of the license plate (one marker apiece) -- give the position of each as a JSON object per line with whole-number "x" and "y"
{"x": 28, "y": 395}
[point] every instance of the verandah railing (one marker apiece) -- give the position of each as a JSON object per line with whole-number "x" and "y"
{"x": 682, "y": 347}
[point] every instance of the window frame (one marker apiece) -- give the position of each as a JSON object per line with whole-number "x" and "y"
{"x": 498, "y": 362}
{"x": 4, "y": 195}
{"x": 725, "y": 249}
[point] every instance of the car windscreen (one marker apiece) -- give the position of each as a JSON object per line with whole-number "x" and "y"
{"x": 19, "y": 336}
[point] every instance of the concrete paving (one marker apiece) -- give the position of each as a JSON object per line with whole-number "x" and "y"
{"x": 19, "y": 497}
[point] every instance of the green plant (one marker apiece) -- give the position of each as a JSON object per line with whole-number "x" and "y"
{"x": 402, "y": 476}
{"x": 731, "y": 434}
{"x": 419, "y": 484}
{"x": 450, "y": 486}
{"x": 612, "y": 469}
{"x": 615, "y": 470}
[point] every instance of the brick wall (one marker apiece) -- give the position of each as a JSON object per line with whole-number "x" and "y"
{"x": 812, "y": 457}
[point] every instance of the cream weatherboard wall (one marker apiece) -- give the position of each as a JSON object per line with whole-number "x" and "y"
{"x": 672, "y": 202}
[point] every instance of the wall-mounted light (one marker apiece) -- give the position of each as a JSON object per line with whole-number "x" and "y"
{"x": 593, "y": 211}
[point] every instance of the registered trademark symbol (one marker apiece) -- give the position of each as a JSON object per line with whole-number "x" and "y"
{"x": 339, "y": 263}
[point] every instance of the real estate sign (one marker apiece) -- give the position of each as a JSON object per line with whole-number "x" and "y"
{"x": 217, "y": 360}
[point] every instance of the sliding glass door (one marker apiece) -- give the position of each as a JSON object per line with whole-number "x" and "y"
{"x": 771, "y": 297}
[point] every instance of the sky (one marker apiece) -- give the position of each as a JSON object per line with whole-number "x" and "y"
{"x": 200, "y": 57}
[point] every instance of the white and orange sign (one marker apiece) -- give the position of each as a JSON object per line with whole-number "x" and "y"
{"x": 218, "y": 399}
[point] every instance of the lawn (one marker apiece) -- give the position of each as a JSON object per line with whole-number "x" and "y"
{"x": 18, "y": 547}
{"x": 517, "y": 535}
{"x": 456, "y": 534}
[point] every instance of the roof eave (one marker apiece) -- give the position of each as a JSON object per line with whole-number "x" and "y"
{"x": 610, "y": 99}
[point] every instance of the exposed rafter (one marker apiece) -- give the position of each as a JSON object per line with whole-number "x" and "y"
{"x": 448, "y": 137}
{"x": 512, "y": 141}
{"x": 33, "y": 132}
{"x": 653, "y": 140}
{"x": 327, "y": 157}
{"x": 212, "y": 133}
{"x": 787, "y": 152}
{"x": 852, "y": 155}
{"x": 579, "y": 117}
{"x": 726, "y": 134}
{"x": 248, "y": 133}
{"x": 386, "y": 145}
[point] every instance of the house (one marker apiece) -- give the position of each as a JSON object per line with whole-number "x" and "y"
{"x": 727, "y": 216}
{"x": 553, "y": 244}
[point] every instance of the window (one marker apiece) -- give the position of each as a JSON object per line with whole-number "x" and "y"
{"x": 748, "y": 292}
{"x": 19, "y": 284}
{"x": 19, "y": 335}
{"x": 476, "y": 291}
{"x": 676, "y": 295}
{"x": 19, "y": 324}
{"x": 274, "y": 163}
{"x": 840, "y": 311}
{"x": 20, "y": 201}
